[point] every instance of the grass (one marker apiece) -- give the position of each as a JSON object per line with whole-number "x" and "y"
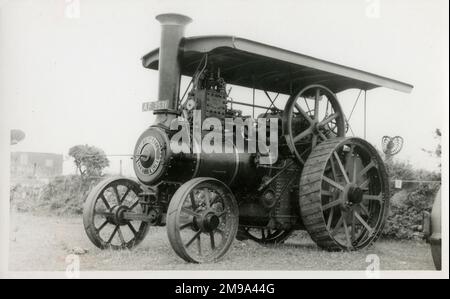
{"x": 40, "y": 243}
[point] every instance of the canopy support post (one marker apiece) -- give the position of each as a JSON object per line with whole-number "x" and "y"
{"x": 253, "y": 97}
{"x": 365, "y": 112}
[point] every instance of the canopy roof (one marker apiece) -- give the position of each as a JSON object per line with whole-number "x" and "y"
{"x": 255, "y": 65}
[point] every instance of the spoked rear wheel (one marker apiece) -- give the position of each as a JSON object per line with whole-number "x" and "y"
{"x": 264, "y": 235}
{"x": 344, "y": 194}
{"x": 202, "y": 220}
{"x": 104, "y": 214}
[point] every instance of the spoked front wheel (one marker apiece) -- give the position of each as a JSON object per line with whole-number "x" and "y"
{"x": 202, "y": 220}
{"x": 113, "y": 216}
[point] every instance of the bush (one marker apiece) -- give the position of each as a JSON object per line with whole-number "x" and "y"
{"x": 24, "y": 196}
{"x": 63, "y": 195}
{"x": 66, "y": 194}
{"x": 407, "y": 206}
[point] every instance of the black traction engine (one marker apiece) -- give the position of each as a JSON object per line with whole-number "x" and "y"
{"x": 210, "y": 173}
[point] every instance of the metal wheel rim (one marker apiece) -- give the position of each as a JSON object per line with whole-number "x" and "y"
{"x": 317, "y": 124}
{"x": 346, "y": 222}
{"x": 187, "y": 223}
{"x": 120, "y": 236}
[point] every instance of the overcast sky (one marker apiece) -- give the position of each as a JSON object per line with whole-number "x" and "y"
{"x": 75, "y": 77}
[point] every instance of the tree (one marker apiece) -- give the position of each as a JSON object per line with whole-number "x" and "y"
{"x": 89, "y": 160}
{"x": 437, "y": 152}
{"x": 16, "y": 136}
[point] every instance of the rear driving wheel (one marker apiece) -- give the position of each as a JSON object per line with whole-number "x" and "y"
{"x": 344, "y": 194}
{"x": 202, "y": 220}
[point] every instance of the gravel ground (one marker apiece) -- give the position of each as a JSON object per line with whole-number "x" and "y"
{"x": 41, "y": 243}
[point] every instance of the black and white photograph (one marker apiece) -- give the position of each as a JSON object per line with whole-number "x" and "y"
{"x": 215, "y": 140}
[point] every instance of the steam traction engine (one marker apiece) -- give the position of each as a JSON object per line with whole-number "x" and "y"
{"x": 333, "y": 186}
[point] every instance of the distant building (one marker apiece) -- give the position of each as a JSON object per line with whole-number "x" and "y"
{"x": 35, "y": 165}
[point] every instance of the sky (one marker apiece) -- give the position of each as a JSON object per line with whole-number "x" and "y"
{"x": 71, "y": 71}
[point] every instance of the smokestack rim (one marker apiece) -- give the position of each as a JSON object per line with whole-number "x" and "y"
{"x": 173, "y": 19}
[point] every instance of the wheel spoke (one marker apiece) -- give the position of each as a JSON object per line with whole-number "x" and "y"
{"x": 333, "y": 183}
{"x": 103, "y": 213}
{"x": 331, "y": 204}
{"x": 125, "y": 195}
{"x": 321, "y": 135}
{"x": 303, "y": 113}
{"x": 364, "y": 184}
{"x": 333, "y": 168}
{"x": 353, "y": 225}
{"x": 133, "y": 230}
{"x": 102, "y": 226}
{"x": 327, "y": 193}
{"x": 199, "y": 245}
{"x": 134, "y": 204}
{"x": 105, "y": 201}
{"x": 337, "y": 226}
{"x": 193, "y": 204}
{"x": 122, "y": 240}
{"x": 330, "y": 219}
{"x": 378, "y": 197}
{"x": 316, "y": 104}
{"x": 112, "y": 235}
{"x": 116, "y": 192}
{"x": 353, "y": 160}
{"x": 341, "y": 167}
{"x": 366, "y": 169}
{"x": 187, "y": 224}
{"x": 328, "y": 119}
{"x": 306, "y": 103}
{"x": 364, "y": 209}
{"x": 347, "y": 234}
{"x": 303, "y": 134}
{"x": 197, "y": 235}
{"x": 213, "y": 243}
{"x": 364, "y": 223}
{"x": 189, "y": 212}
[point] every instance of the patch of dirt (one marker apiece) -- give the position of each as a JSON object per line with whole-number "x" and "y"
{"x": 39, "y": 243}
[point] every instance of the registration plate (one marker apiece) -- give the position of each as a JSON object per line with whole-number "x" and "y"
{"x": 157, "y": 105}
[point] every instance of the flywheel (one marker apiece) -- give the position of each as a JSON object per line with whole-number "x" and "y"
{"x": 344, "y": 194}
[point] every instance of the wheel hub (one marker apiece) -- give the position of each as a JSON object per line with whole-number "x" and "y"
{"x": 353, "y": 194}
{"x": 118, "y": 215}
{"x": 315, "y": 127}
{"x": 207, "y": 222}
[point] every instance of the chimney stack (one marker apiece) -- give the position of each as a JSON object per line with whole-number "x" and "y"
{"x": 172, "y": 34}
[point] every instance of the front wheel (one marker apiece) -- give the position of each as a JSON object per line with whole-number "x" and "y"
{"x": 202, "y": 220}
{"x": 105, "y": 214}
